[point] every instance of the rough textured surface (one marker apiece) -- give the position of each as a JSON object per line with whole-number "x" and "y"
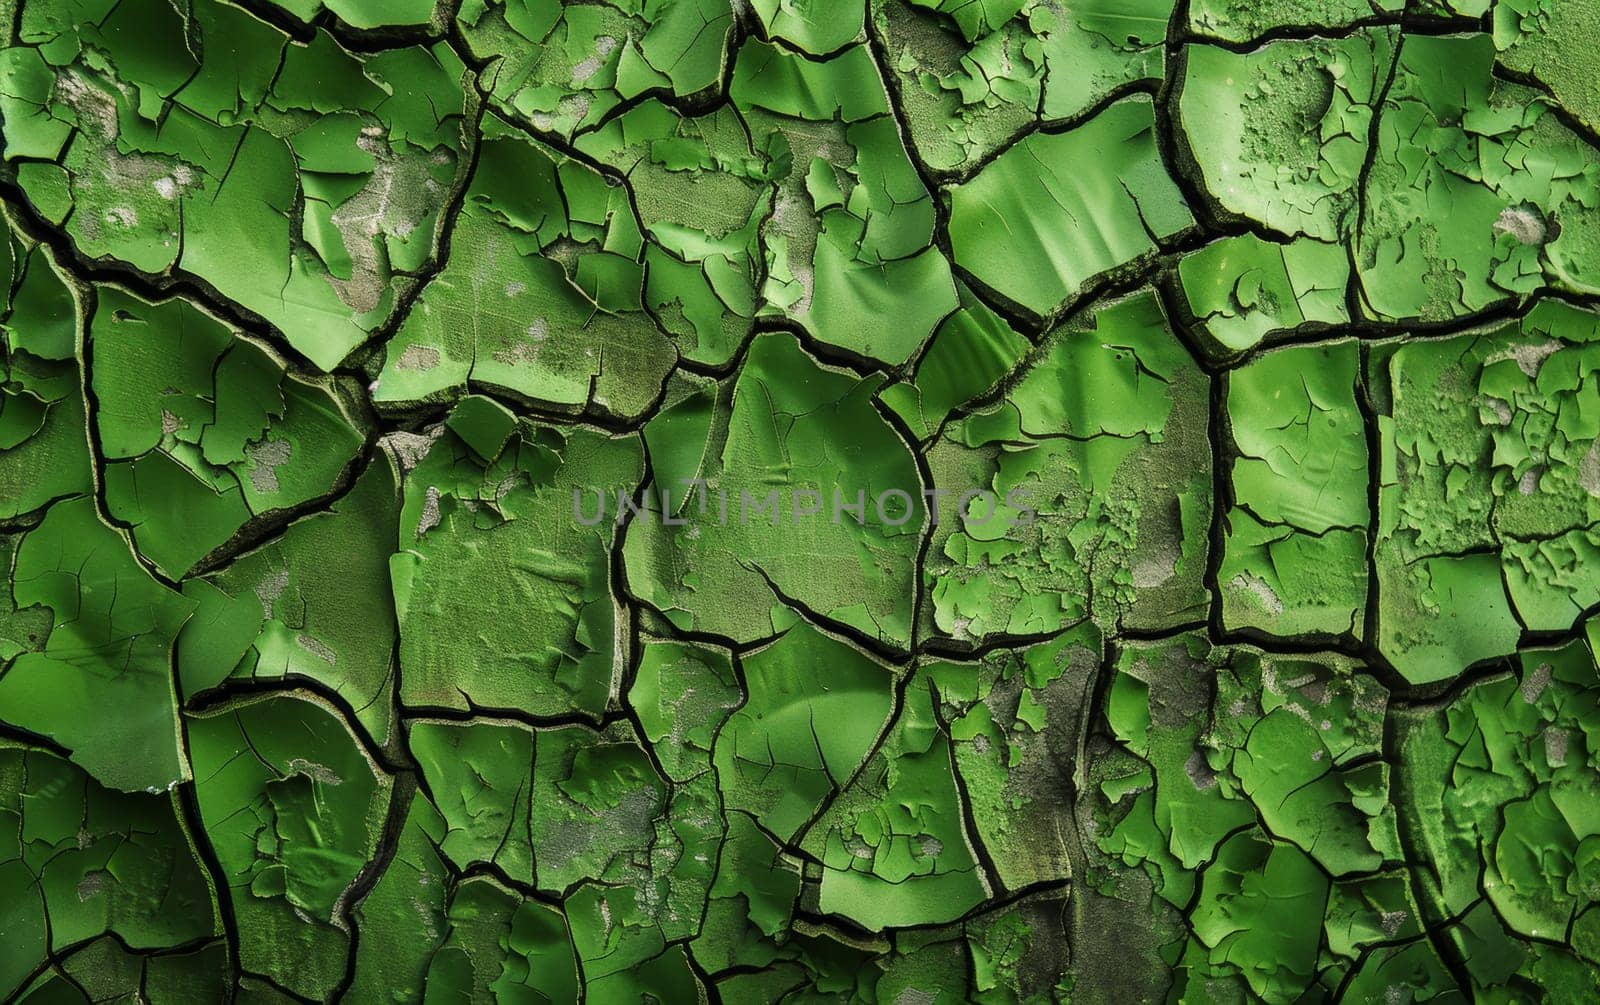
{"x": 875, "y": 501}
